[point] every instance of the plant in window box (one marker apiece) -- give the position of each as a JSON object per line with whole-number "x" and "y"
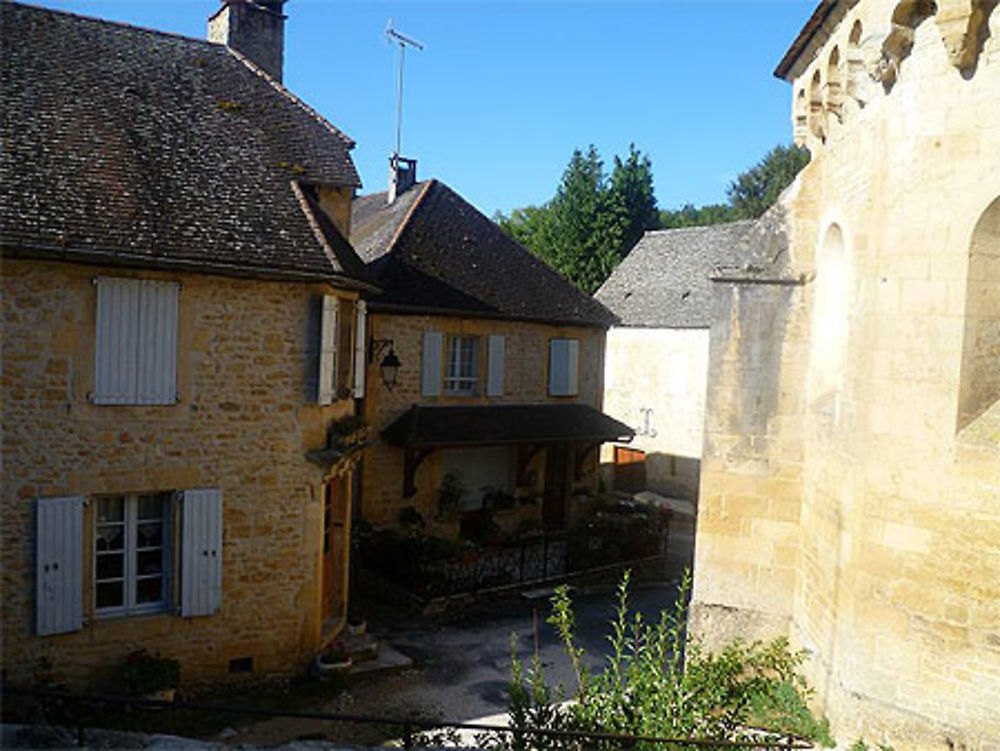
{"x": 151, "y": 676}
{"x": 348, "y": 431}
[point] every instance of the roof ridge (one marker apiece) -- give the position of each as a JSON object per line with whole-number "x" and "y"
{"x": 409, "y": 215}
{"x": 108, "y": 22}
{"x": 665, "y": 230}
{"x": 282, "y": 89}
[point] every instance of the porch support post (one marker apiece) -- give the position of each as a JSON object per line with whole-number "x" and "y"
{"x": 582, "y": 452}
{"x": 412, "y": 458}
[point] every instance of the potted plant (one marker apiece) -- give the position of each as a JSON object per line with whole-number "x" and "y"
{"x": 332, "y": 660}
{"x": 151, "y": 676}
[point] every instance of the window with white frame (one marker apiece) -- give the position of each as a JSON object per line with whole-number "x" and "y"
{"x": 134, "y": 547}
{"x": 131, "y": 553}
{"x": 135, "y": 352}
{"x": 461, "y": 374}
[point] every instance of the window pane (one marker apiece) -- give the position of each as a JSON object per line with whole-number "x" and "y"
{"x": 111, "y": 509}
{"x": 110, "y": 594}
{"x": 110, "y": 566}
{"x": 111, "y": 537}
{"x": 150, "y": 535}
{"x": 149, "y": 590}
{"x": 149, "y": 562}
{"x": 151, "y": 506}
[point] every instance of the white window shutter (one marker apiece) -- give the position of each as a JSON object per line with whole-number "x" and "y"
{"x": 201, "y": 552}
{"x": 564, "y": 367}
{"x": 360, "y": 348}
{"x": 495, "y": 372}
{"x": 430, "y": 373}
{"x": 329, "y": 334}
{"x": 59, "y": 565}
{"x": 135, "y": 354}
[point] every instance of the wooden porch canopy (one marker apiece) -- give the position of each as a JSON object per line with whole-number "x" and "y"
{"x": 422, "y": 429}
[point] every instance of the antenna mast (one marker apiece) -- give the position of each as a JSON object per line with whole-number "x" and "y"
{"x": 403, "y": 41}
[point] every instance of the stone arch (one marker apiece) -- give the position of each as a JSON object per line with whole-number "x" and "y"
{"x": 830, "y": 320}
{"x": 801, "y": 124}
{"x": 979, "y": 386}
{"x": 817, "y": 117}
{"x": 906, "y": 17}
{"x": 858, "y": 84}
{"x": 833, "y": 91}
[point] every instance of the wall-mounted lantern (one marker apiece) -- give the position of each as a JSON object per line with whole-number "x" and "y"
{"x": 389, "y": 365}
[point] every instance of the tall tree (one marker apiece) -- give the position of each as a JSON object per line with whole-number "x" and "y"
{"x": 753, "y": 192}
{"x": 632, "y": 184}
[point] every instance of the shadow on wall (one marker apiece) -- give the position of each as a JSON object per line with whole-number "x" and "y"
{"x": 668, "y": 475}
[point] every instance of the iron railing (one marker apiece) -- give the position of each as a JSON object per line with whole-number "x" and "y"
{"x": 409, "y": 729}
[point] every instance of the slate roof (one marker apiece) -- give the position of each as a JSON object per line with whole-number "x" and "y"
{"x": 431, "y": 250}
{"x": 493, "y": 424}
{"x": 664, "y": 280}
{"x": 141, "y": 147}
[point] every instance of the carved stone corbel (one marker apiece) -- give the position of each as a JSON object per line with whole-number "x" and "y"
{"x": 962, "y": 24}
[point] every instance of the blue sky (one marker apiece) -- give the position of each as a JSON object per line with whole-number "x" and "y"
{"x": 504, "y": 91}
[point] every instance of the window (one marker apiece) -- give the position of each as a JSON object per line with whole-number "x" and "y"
{"x": 133, "y": 549}
{"x": 131, "y": 554}
{"x": 341, "y": 349}
{"x": 135, "y": 357}
{"x": 462, "y": 366}
{"x": 564, "y": 364}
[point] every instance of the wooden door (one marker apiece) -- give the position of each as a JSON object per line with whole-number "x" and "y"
{"x": 556, "y": 488}
{"x": 630, "y": 470}
{"x": 335, "y": 497}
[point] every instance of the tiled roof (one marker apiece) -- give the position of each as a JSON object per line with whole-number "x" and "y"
{"x": 482, "y": 425}
{"x": 664, "y": 281}
{"x": 151, "y": 148}
{"x": 432, "y": 250}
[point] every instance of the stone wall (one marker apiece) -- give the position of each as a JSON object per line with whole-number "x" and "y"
{"x": 655, "y": 384}
{"x": 865, "y": 520}
{"x": 525, "y": 381}
{"x": 247, "y": 414}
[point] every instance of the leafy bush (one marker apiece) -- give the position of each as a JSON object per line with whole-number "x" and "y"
{"x": 658, "y": 682}
{"x": 144, "y": 673}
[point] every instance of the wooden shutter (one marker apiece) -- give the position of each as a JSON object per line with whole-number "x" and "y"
{"x": 135, "y": 357}
{"x": 430, "y": 373}
{"x": 495, "y": 365}
{"x": 201, "y": 552}
{"x": 59, "y": 565}
{"x": 329, "y": 335}
{"x": 360, "y": 347}
{"x": 564, "y": 359}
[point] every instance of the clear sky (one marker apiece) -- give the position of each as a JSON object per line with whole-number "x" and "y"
{"x": 504, "y": 91}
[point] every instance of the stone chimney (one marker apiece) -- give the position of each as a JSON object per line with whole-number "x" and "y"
{"x": 255, "y": 29}
{"x": 402, "y": 176}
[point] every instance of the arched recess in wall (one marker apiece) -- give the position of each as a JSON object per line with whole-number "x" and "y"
{"x": 829, "y": 328}
{"x": 906, "y": 17}
{"x": 834, "y": 89}
{"x": 801, "y": 127}
{"x": 817, "y": 116}
{"x": 979, "y": 388}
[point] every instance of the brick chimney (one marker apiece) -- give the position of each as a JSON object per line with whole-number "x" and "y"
{"x": 254, "y": 28}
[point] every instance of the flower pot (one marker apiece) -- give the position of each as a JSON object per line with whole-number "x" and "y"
{"x": 326, "y": 666}
{"x": 357, "y": 628}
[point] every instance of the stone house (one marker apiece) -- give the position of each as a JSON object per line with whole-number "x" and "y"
{"x": 656, "y": 365}
{"x": 496, "y": 402}
{"x": 178, "y": 317}
{"x": 850, "y": 489}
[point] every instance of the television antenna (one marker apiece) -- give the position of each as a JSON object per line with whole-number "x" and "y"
{"x": 392, "y": 35}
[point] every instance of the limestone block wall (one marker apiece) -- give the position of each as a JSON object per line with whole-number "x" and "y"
{"x": 525, "y": 381}
{"x": 895, "y": 525}
{"x": 246, "y": 416}
{"x": 654, "y": 382}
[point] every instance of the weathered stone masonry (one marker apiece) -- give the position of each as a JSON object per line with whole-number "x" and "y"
{"x": 246, "y": 416}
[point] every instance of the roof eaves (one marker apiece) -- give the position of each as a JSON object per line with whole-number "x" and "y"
{"x": 815, "y": 23}
{"x": 348, "y": 142}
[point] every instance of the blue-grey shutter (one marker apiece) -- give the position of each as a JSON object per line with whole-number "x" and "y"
{"x": 495, "y": 366}
{"x": 430, "y": 372}
{"x": 564, "y": 367}
{"x": 135, "y": 353}
{"x": 360, "y": 347}
{"x": 201, "y": 552}
{"x": 59, "y": 565}
{"x": 329, "y": 335}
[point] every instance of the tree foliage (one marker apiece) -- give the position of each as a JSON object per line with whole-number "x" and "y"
{"x": 594, "y": 218}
